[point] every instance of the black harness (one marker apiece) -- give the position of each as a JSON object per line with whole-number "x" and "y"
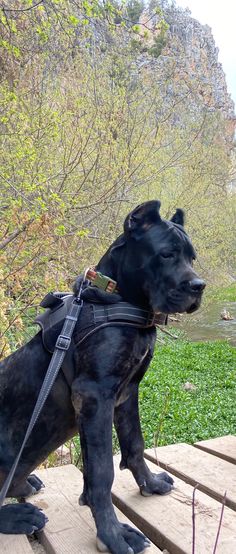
{"x": 94, "y": 314}
{"x": 72, "y": 318}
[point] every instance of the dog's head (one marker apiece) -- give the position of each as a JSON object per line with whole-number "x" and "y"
{"x": 158, "y": 261}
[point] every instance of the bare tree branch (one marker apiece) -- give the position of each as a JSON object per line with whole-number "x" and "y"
{"x": 14, "y": 234}
{"x": 5, "y": 9}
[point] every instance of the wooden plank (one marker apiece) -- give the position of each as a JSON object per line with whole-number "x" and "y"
{"x": 17, "y": 544}
{"x": 71, "y": 529}
{"x": 223, "y": 447}
{"x": 167, "y": 520}
{"x": 213, "y": 475}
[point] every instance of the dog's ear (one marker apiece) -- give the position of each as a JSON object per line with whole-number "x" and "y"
{"x": 142, "y": 217}
{"x": 178, "y": 217}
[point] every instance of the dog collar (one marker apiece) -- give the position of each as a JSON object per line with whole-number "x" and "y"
{"x": 109, "y": 285}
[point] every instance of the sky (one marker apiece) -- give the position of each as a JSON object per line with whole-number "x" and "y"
{"x": 221, "y": 17}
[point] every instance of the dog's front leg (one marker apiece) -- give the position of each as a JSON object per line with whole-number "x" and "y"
{"x": 127, "y": 424}
{"x": 94, "y": 408}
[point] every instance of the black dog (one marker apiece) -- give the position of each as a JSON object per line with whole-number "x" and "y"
{"x": 152, "y": 264}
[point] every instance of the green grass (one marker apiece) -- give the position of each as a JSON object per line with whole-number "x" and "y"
{"x": 171, "y": 414}
{"x": 222, "y": 294}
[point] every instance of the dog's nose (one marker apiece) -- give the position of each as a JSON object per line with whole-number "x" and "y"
{"x": 197, "y": 285}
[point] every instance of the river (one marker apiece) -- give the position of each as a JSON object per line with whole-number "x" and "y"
{"x": 207, "y": 324}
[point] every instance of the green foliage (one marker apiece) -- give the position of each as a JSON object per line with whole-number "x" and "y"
{"x": 87, "y": 132}
{"x": 172, "y": 413}
{"x": 137, "y": 45}
{"x": 224, "y": 294}
{"x": 134, "y": 10}
{"x": 159, "y": 43}
{"x": 157, "y": 6}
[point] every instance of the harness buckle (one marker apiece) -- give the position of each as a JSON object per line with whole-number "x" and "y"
{"x": 63, "y": 342}
{"x": 102, "y": 281}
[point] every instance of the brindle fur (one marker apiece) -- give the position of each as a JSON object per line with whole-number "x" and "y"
{"x": 152, "y": 264}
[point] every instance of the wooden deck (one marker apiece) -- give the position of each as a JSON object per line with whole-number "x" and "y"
{"x": 167, "y": 520}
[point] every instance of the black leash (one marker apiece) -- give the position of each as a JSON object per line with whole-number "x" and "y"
{"x": 61, "y": 347}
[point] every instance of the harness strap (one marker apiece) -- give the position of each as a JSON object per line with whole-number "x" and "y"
{"x": 124, "y": 311}
{"x": 108, "y": 324}
{"x": 62, "y": 345}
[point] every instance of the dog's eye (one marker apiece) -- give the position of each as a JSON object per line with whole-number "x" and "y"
{"x": 167, "y": 255}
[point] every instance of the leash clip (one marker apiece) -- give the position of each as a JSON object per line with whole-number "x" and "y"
{"x": 82, "y": 281}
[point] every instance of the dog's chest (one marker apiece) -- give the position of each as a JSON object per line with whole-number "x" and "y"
{"x": 132, "y": 369}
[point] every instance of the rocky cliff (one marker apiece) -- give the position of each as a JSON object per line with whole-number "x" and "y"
{"x": 189, "y": 50}
{"x": 201, "y": 57}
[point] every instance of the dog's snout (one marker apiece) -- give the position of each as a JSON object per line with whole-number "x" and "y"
{"x": 197, "y": 285}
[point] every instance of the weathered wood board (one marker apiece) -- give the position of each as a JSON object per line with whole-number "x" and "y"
{"x": 223, "y": 447}
{"x": 167, "y": 520}
{"x": 212, "y": 474}
{"x": 71, "y": 529}
{"x": 14, "y": 544}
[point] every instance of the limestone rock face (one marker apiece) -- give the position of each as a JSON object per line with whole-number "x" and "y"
{"x": 200, "y": 57}
{"x": 188, "y": 58}
{"x": 191, "y": 54}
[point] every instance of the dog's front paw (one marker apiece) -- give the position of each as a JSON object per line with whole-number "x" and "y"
{"x": 157, "y": 483}
{"x": 16, "y": 519}
{"x": 122, "y": 539}
{"x": 35, "y": 482}
{"x": 83, "y": 499}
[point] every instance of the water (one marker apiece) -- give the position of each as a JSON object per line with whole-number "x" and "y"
{"x": 206, "y": 324}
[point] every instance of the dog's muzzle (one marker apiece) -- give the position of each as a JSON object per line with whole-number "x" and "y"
{"x": 195, "y": 288}
{"x": 184, "y": 298}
